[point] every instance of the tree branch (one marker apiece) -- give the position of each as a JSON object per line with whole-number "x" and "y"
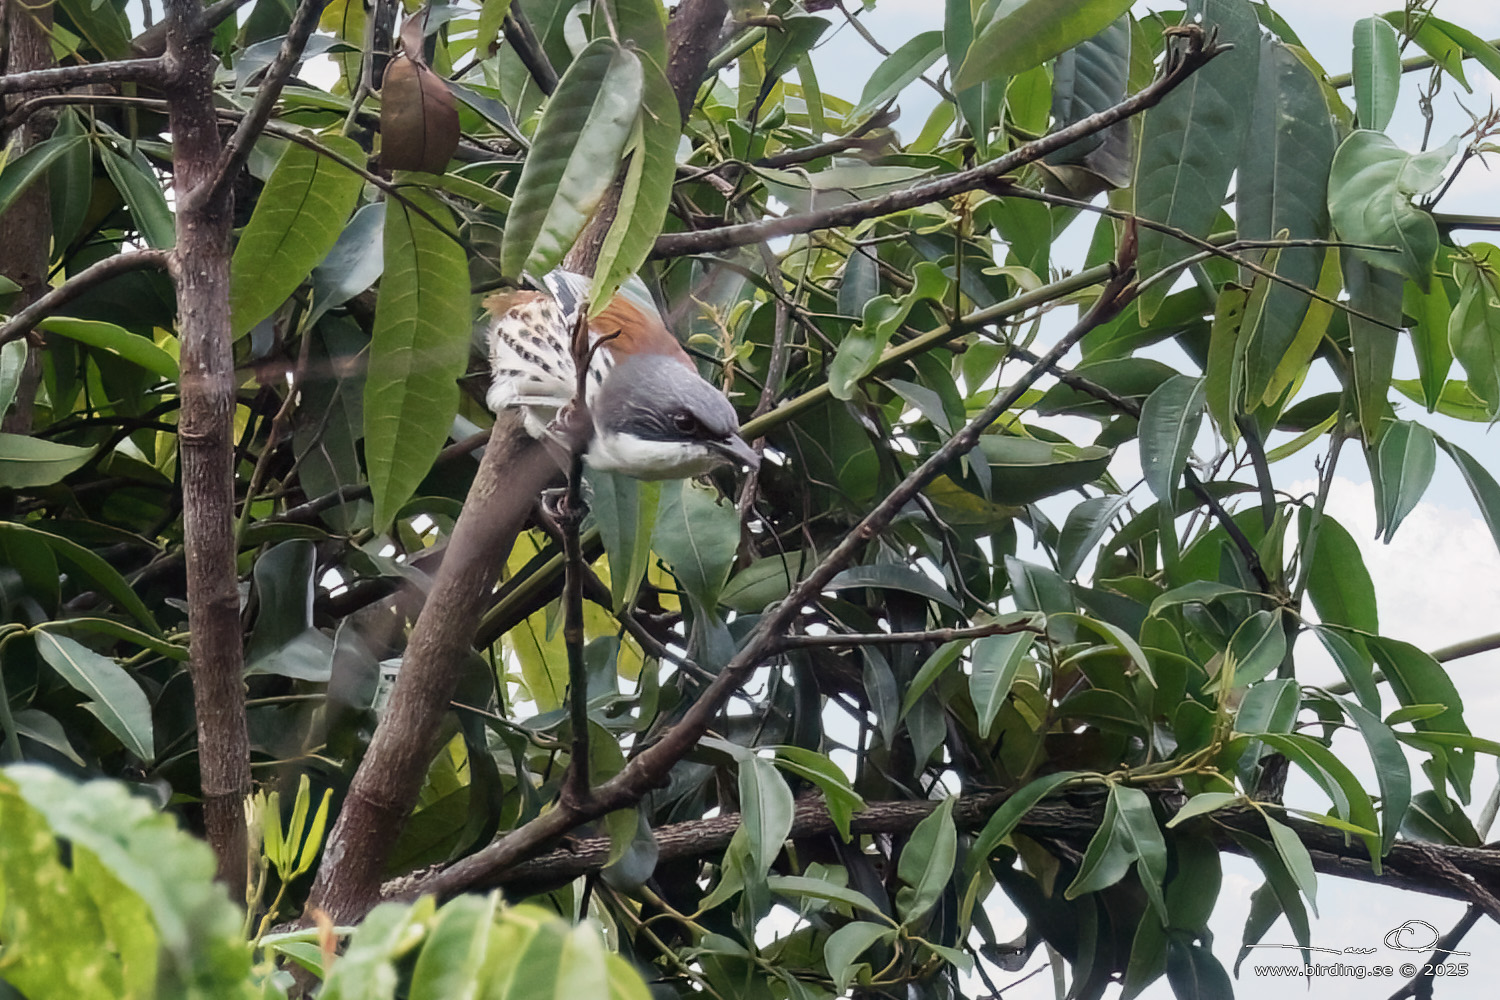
{"x": 95, "y": 274}
{"x": 237, "y": 149}
{"x": 1181, "y": 63}
{"x": 60, "y": 77}
{"x": 521, "y": 38}
{"x": 938, "y": 635}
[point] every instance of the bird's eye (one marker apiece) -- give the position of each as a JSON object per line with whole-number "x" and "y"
{"x": 685, "y": 422}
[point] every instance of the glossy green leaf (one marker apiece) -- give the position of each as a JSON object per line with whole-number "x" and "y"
{"x": 143, "y": 195}
{"x": 913, "y": 58}
{"x": 418, "y": 347}
{"x": 91, "y": 565}
{"x": 1127, "y": 835}
{"x": 1012, "y": 811}
{"x": 1370, "y": 191}
{"x": 1350, "y": 800}
{"x": 27, "y": 461}
{"x": 1169, "y": 422}
{"x": 766, "y": 809}
{"x": 1025, "y": 469}
{"x": 698, "y": 535}
{"x": 1439, "y": 820}
{"x": 1376, "y": 293}
{"x": 116, "y": 340}
{"x": 1377, "y": 73}
{"x": 12, "y": 363}
{"x": 1197, "y": 592}
{"x": 996, "y": 661}
{"x": 1269, "y": 707}
{"x": 1338, "y": 582}
{"x": 1257, "y": 648}
{"x": 844, "y": 946}
{"x": 1193, "y": 971}
{"x": 1012, "y": 36}
{"x": 1279, "y": 895}
{"x": 932, "y": 668}
{"x": 647, "y": 189}
{"x": 1083, "y": 530}
{"x": 1392, "y": 773}
{"x": 1404, "y": 464}
{"x": 1203, "y": 802}
{"x": 860, "y": 350}
{"x": 1298, "y": 861}
{"x": 18, "y": 174}
{"x": 1282, "y": 187}
{"x": 1428, "y": 33}
{"x": 1190, "y": 144}
{"x": 762, "y": 583}
{"x": 838, "y": 793}
{"x": 891, "y": 576}
{"x": 1474, "y": 329}
{"x": 296, "y": 222}
{"x": 926, "y": 863}
{"x": 458, "y": 948}
{"x": 625, "y": 512}
{"x": 1430, "y": 312}
{"x": 113, "y": 695}
{"x": 1482, "y": 486}
{"x": 1418, "y": 679}
{"x": 800, "y": 887}
{"x": 1355, "y": 663}
{"x": 574, "y": 156}
{"x": 1087, "y": 79}
{"x": 1116, "y": 637}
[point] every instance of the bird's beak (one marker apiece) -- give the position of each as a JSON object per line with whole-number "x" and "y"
{"x": 737, "y": 451}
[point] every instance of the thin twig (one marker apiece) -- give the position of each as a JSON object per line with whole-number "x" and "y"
{"x": 939, "y": 635}
{"x": 521, "y": 38}
{"x": 95, "y": 274}
{"x": 1181, "y": 63}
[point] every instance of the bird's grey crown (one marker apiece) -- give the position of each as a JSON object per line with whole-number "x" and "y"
{"x": 653, "y": 397}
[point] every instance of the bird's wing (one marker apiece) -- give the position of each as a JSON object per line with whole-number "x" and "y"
{"x": 531, "y": 361}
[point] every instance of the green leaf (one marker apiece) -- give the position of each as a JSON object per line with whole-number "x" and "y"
{"x": 1337, "y": 581}
{"x": 1432, "y": 39}
{"x": 899, "y": 69}
{"x": 1377, "y": 73}
{"x": 1350, "y": 800}
{"x": 1391, "y": 771}
{"x": 130, "y": 869}
{"x": 1474, "y": 329}
{"x": 926, "y": 863}
{"x": 647, "y": 190}
{"x": 1418, "y": 679}
{"x": 1439, "y": 820}
{"x": 1298, "y": 861}
{"x": 811, "y": 888}
{"x": 574, "y": 156}
{"x": 932, "y": 668}
{"x": 1012, "y": 811}
{"x": 17, "y": 175}
{"x": 890, "y": 576}
{"x": 1025, "y": 469}
{"x": 91, "y": 565}
{"x": 116, "y": 340}
{"x": 844, "y": 947}
{"x": 1354, "y": 663}
{"x": 458, "y": 948}
{"x": 1197, "y": 592}
{"x": 625, "y": 510}
{"x": 860, "y": 351}
{"x": 1370, "y": 191}
{"x": 12, "y": 364}
{"x": 1403, "y": 468}
{"x": 418, "y": 348}
{"x": 1169, "y": 423}
{"x": 762, "y": 583}
{"x": 996, "y": 661}
{"x": 297, "y": 220}
{"x": 114, "y": 696}
{"x": 1278, "y": 894}
{"x": 1145, "y": 841}
{"x": 1084, "y": 528}
{"x": 366, "y": 969}
{"x": 143, "y": 195}
{"x": 1012, "y": 36}
{"x": 1116, "y": 637}
{"x": 1190, "y": 144}
{"x": 766, "y": 810}
{"x": 1282, "y": 187}
{"x": 698, "y": 536}
{"x": 1193, "y": 971}
{"x": 1376, "y": 293}
{"x": 29, "y": 461}
{"x": 1481, "y": 484}
{"x": 838, "y": 794}
{"x": 1204, "y": 802}
{"x": 1257, "y": 648}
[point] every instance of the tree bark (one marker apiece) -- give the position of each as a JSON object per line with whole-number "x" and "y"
{"x": 200, "y": 268}
{"x": 28, "y": 223}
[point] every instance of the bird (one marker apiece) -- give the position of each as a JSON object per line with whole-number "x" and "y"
{"x": 653, "y": 415}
